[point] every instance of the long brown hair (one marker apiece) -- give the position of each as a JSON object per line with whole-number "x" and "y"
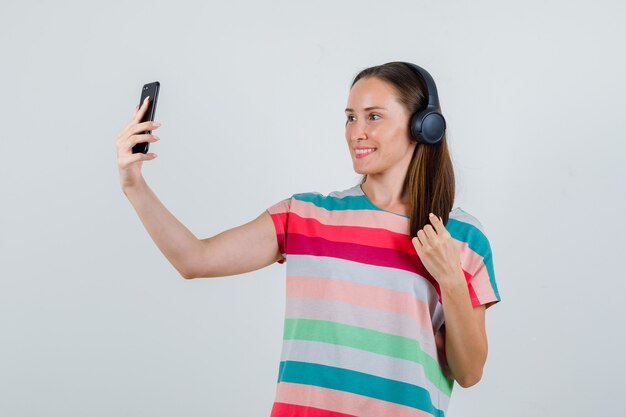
{"x": 429, "y": 181}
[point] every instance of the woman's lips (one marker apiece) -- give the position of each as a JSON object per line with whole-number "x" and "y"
{"x": 361, "y": 154}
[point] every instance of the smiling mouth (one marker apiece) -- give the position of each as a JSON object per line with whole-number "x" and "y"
{"x": 364, "y": 151}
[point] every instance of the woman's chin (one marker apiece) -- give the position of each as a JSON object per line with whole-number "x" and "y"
{"x": 361, "y": 170}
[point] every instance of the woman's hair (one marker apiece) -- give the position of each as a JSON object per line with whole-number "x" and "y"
{"x": 429, "y": 181}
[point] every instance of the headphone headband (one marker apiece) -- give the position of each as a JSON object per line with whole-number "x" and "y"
{"x": 426, "y": 126}
{"x": 433, "y": 98}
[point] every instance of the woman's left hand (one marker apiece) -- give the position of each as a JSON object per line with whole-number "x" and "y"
{"x": 438, "y": 251}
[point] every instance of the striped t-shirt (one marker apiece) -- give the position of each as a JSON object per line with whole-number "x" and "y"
{"x": 361, "y": 310}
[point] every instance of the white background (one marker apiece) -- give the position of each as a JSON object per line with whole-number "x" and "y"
{"x": 95, "y": 321}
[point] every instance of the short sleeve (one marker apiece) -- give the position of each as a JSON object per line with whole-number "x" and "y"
{"x": 476, "y": 259}
{"x": 479, "y": 264}
{"x": 280, "y": 216}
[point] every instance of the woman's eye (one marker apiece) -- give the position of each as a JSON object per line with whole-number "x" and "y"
{"x": 352, "y": 117}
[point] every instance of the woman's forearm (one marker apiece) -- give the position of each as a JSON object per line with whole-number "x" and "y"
{"x": 174, "y": 240}
{"x": 465, "y": 339}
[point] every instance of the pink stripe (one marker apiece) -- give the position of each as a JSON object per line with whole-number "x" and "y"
{"x": 369, "y": 236}
{"x": 342, "y": 402}
{"x": 482, "y": 287}
{"x": 280, "y": 207}
{"x": 362, "y": 218}
{"x": 470, "y": 260}
{"x": 294, "y": 410}
{"x": 474, "y": 263}
{"x": 315, "y": 246}
{"x": 279, "y": 220}
{"x": 472, "y": 294}
{"x": 360, "y": 294}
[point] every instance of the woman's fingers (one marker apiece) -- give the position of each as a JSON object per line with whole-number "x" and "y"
{"x": 140, "y": 157}
{"x": 132, "y": 130}
{"x": 134, "y": 133}
{"x": 127, "y": 162}
{"x": 430, "y": 232}
{"x": 127, "y": 139}
{"x": 140, "y": 111}
{"x": 126, "y": 144}
{"x": 135, "y": 139}
{"x": 421, "y": 238}
{"x": 437, "y": 223}
{"x": 142, "y": 127}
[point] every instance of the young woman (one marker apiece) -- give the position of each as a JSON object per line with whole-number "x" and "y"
{"x": 387, "y": 284}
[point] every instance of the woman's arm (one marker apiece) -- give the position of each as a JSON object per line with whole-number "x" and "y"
{"x": 465, "y": 335}
{"x": 174, "y": 240}
{"x": 241, "y": 249}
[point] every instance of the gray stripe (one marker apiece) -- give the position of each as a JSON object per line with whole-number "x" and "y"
{"x": 352, "y": 191}
{"x": 463, "y": 216}
{"x": 365, "y": 317}
{"x": 363, "y": 361}
{"x": 377, "y": 276}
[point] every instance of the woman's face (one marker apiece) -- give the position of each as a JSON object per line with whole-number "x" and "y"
{"x": 377, "y": 128}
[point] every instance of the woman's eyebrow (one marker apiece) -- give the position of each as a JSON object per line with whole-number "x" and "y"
{"x": 367, "y": 108}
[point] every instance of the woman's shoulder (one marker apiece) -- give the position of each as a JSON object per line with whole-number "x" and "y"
{"x": 458, "y": 214}
{"x": 467, "y": 228}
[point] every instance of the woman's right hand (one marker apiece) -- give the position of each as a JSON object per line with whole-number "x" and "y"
{"x": 129, "y": 163}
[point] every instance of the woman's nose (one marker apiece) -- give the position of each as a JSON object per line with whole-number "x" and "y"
{"x": 356, "y": 131}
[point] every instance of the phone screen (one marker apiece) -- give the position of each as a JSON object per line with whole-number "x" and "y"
{"x": 152, "y": 90}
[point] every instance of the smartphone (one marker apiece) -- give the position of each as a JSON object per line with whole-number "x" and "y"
{"x": 152, "y": 90}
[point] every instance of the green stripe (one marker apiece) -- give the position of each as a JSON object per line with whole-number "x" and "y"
{"x": 371, "y": 341}
{"x": 358, "y": 383}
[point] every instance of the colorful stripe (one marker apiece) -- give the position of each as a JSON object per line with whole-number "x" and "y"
{"x": 362, "y": 311}
{"x": 358, "y": 383}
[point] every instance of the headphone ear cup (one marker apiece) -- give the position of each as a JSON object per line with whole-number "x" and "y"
{"x": 428, "y": 126}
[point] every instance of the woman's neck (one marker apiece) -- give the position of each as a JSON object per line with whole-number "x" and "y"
{"x": 386, "y": 193}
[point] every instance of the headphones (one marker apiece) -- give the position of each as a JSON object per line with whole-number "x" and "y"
{"x": 427, "y": 126}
